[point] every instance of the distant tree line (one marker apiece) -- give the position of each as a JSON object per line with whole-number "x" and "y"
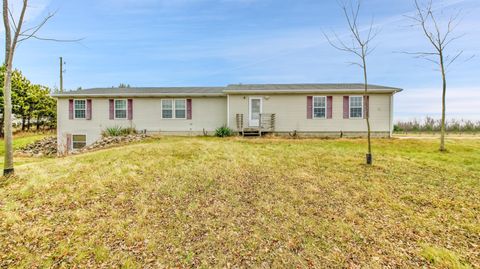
{"x": 430, "y": 124}
{"x": 31, "y": 103}
{"x": 123, "y": 85}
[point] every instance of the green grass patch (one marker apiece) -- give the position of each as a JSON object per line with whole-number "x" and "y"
{"x": 233, "y": 202}
{"x": 443, "y": 258}
{"x": 20, "y": 140}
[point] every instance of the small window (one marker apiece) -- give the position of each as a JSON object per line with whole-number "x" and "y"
{"x": 80, "y": 109}
{"x": 180, "y": 109}
{"x": 319, "y": 107}
{"x": 79, "y": 141}
{"x": 167, "y": 109}
{"x": 356, "y": 106}
{"x": 121, "y": 109}
{"x": 174, "y": 109}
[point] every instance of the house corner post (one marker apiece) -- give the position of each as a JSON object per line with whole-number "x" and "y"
{"x": 228, "y": 110}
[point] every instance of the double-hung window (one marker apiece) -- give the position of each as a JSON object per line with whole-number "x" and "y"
{"x": 80, "y": 107}
{"x": 174, "y": 109}
{"x": 356, "y": 106}
{"x": 79, "y": 141}
{"x": 319, "y": 107}
{"x": 120, "y": 109}
{"x": 180, "y": 109}
{"x": 167, "y": 109}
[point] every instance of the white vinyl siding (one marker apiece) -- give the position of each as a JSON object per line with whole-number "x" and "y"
{"x": 319, "y": 107}
{"x": 290, "y": 112}
{"x": 356, "y": 107}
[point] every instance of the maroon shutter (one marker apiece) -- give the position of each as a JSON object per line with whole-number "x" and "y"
{"x": 189, "y": 109}
{"x": 69, "y": 142}
{"x": 366, "y": 106}
{"x": 346, "y": 107}
{"x": 309, "y": 107}
{"x": 130, "y": 109}
{"x": 89, "y": 109}
{"x": 329, "y": 107}
{"x": 112, "y": 109}
{"x": 70, "y": 109}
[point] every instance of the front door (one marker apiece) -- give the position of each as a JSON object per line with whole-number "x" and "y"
{"x": 255, "y": 108}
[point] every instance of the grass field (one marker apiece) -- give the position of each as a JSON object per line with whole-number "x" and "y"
{"x": 207, "y": 202}
{"x": 19, "y": 141}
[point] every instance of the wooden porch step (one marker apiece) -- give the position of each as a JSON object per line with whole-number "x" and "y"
{"x": 251, "y": 132}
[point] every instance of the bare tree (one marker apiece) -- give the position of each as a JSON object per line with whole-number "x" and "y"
{"x": 10, "y": 46}
{"x": 359, "y": 44}
{"x": 14, "y": 34}
{"x": 440, "y": 38}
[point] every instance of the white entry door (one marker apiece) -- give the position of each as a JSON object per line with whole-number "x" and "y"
{"x": 255, "y": 108}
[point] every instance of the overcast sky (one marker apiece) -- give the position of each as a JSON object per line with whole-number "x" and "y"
{"x": 219, "y": 42}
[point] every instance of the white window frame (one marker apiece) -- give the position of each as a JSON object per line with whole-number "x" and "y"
{"x": 75, "y": 109}
{"x": 350, "y": 106}
{"x": 115, "y": 109}
{"x": 72, "y": 142}
{"x": 313, "y": 107}
{"x": 174, "y": 108}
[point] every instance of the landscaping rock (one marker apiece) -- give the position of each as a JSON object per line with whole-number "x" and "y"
{"x": 109, "y": 141}
{"x": 48, "y": 146}
{"x": 43, "y": 147}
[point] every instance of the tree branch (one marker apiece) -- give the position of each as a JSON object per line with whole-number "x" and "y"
{"x": 35, "y": 29}
{"x": 19, "y": 28}
{"x": 55, "y": 40}
{"x": 439, "y": 37}
{"x": 14, "y": 26}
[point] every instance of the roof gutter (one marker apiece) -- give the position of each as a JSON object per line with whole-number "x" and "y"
{"x": 311, "y": 91}
{"x": 65, "y": 95}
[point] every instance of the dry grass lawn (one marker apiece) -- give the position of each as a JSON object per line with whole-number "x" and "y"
{"x": 208, "y": 202}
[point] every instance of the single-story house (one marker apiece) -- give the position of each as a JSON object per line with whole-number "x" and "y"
{"x": 304, "y": 109}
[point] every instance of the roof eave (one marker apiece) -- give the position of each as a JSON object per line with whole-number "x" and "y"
{"x": 311, "y": 91}
{"x": 66, "y": 95}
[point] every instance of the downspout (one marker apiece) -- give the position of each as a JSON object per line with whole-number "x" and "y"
{"x": 391, "y": 114}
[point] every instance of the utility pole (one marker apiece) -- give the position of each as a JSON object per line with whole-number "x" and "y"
{"x": 61, "y": 74}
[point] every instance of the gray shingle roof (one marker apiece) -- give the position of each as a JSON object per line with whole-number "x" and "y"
{"x": 219, "y": 91}
{"x": 307, "y": 87}
{"x": 145, "y": 91}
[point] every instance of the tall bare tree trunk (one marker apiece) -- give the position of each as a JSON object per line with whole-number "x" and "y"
{"x": 440, "y": 36}
{"x": 366, "y": 109}
{"x": 444, "y": 93}
{"x": 8, "y": 136}
{"x": 360, "y": 47}
{"x": 7, "y": 95}
{"x": 10, "y": 45}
